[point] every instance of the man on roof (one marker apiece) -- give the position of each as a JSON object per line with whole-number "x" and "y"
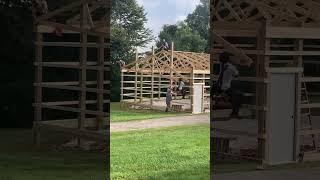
{"x": 165, "y": 45}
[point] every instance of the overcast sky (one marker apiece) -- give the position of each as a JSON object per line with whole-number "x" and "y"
{"x": 161, "y": 12}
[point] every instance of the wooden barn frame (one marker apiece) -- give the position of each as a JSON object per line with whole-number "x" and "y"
{"x": 262, "y": 35}
{"x": 87, "y": 99}
{"x": 145, "y": 80}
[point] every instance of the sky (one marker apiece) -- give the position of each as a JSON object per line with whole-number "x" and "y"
{"x": 161, "y": 12}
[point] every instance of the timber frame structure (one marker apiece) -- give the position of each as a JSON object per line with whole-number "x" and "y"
{"x": 145, "y": 81}
{"x": 266, "y": 34}
{"x": 75, "y": 95}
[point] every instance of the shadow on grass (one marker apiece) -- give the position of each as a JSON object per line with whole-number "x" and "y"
{"x": 20, "y": 160}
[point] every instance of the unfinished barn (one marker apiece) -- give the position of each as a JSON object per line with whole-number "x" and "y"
{"x": 144, "y": 82}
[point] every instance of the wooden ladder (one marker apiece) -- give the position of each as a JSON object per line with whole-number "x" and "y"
{"x": 307, "y": 123}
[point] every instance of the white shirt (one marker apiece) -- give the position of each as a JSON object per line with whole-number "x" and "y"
{"x": 181, "y": 85}
{"x": 230, "y": 73}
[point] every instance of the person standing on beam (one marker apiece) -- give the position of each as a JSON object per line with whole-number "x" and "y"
{"x": 227, "y": 83}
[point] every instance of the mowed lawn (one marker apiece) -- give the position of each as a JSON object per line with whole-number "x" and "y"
{"x": 19, "y": 160}
{"x": 123, "y": 115}
{"x": 169, "y": 153}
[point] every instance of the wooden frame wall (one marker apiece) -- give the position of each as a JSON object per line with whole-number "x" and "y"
{"x": 93, "y": 114}
{"x": 267, "y": 51}
{"x": 147, "y": 78}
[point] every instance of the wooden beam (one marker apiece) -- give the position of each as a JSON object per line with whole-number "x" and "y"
{"x": 89, "y": 17}
{"x": 83, "y": 71}
{"x": 72, "y": 44}
{"x": 38, "y": 91}
{"x": 235, "y": 14}
{"x": 171, "y": 63}
{"x": 74, "y": 28}
{"x": 152, "y": 78}
{"x": 246, "y": 60}
{"x": 293, "y": 53}
{"x": 141, "y": 87}
{"x": 100, "y": 85}
{"x": 65, "y": 8}
{"x": 293, "y": 32}
{"x": 136, "y": 79}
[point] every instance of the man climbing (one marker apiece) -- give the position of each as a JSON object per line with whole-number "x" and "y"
{"x": 228, "y": 85}
{"x": 168, "y": 98}
{"x": 181, "y": 89}
{"x": 165, "y": 45}
{"x": 121, "y": 63}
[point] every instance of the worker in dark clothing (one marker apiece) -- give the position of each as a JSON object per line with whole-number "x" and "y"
{"x": 228, "y": 85}
{"x": 169, "y": 99}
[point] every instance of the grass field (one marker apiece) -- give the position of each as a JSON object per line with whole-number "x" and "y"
{"x": 19, "y": 160}
{"x": 120, "y": 115}
{"x": 170, "y": 153}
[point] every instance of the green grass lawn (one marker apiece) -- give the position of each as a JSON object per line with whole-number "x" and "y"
{"x": 123, "y": 115}
{"x": 19, "y": 160}
{"x": 169, "y": 153}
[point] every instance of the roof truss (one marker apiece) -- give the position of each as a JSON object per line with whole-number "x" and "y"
{"x": 275, "y": 11}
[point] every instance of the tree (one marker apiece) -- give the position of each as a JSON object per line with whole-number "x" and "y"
{"x": 128, "y": 31}
{"x": 184, "y": 38}
{"x": 199, "y": 21}
{"x": 16, "y": 69}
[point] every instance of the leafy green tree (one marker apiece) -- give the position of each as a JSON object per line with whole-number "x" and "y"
{"x": 183, "y": 37}
{"x": 128, "y": 31}
{"x": 199, "y": 21}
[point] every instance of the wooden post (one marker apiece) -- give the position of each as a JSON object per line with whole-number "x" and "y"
{"x": 83, "y": 70}
{"x": 100, "y": 83}
{"x": 264, "y": 124}
{"x": 160, "y": 84}
{"x": 298, "y": 63}
{"x": 260, "y": 115}
{"x": 191, "y": 88}
{"x": 203, "y": 90}
{"x": 136, "y": 80}
{"x": 141, "y": 86}
{"x": 38, "y": 90}
{"x": 122, "y": 82}
{"x": 152, "y": 78}
{"x": 171, "y": 64}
